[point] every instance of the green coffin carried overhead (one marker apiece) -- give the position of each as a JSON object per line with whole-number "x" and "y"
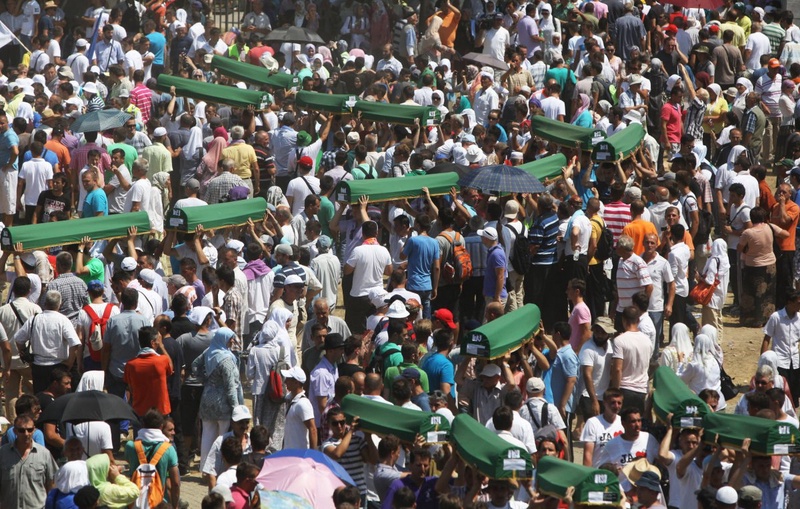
{"x": 489, "y": 454}
{"x": 59, "y": 233}
{"x": 503, "y": 335}
{"x": 255, "y": 74}
{"x": 766, "y": 436}
{"x": 380, "y": 190}
{"x": 329, "y": 103}
{"x": 221, "y": 215}
{"x": 547, "y": 167}
{"x": 592, "y": 486}
{"x": 405, "y": 423}
{"x": 619, "y": 145}
{"x": 398, "y": 113}
{"x": 671, "y": 395}
{"x": 564, "y": 134}
{"x": 232, "y": 96}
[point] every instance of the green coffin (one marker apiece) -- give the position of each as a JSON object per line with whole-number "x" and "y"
{"x": 220, "y": 215}
{"x": 255, "y": 74}
{"x": 398, "y": 113}
{"x": 387, "y": 189}
{"x": 766, "y": 436}
{"x": 547, "y": 167}
{"x": 489, "y": 454}
{"x": 405, "y": 423}
{"x": 329, "y": 103}
{"x": 564, "y": 134}
{"x": 620, "y": 145}
{"x": 44, "y": 235}
{"x": 212, "y": 92}
{"x": 503, "y": 335}
{"x": 671, "y": 395}
{"x": 592, "y": 486}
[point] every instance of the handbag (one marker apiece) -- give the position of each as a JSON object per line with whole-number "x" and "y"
{"x": 25, "y": 353}
{"x": 729, "y": 390}
{"x": 702, "y": 291}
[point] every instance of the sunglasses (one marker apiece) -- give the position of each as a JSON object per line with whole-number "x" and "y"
{"x": 24, "y": 430}
{"x": 338, "y": 423}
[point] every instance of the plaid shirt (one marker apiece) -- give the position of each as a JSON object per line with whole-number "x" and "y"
{"x": 329, "y": 159}
{"x": 73, "y": 294}
{"x": 219, "y": 187}
{"x": 693, "y": 125}
{"x": 749, "y": 122}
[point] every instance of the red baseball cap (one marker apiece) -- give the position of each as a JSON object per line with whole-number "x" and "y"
{"x": 774, "y": 63}
{"x": 306, "y": 161}
{"x": 671, "y": 28}
{"x": 714, "y": 28}
{"x": 446, "y": 317}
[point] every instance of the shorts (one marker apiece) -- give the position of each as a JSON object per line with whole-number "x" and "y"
{"x": 8, "y": 192}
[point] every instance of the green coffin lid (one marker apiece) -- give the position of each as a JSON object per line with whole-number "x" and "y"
{"x": 220, "y": 215}
{"x": 255, "y": 74}
{"x": 547, "y": 167}
{"x": 232, "y": 96}
{"x": 387, "y": 189}
{"x": 592, "y": 486}
{"x": 503, "y": 335}
{"x": 398, "y": 113}
{"x": 564, "y": 134}
{"x": 59, "y": 233}
{"x": 672, "y": 395}
{"x": 766, "y": 436}
{"x": 329, "y": 103}
{"x": 489, "y": 454}
{"x": 620, "y": 145}
{"x": 405, "y": 423}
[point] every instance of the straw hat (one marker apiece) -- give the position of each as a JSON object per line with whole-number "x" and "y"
{"x": 634, "y": 470}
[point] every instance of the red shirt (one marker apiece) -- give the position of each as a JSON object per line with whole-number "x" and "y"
{"x": 142, "y": 98}
{"x": 766, "y": 199}
{"x": 241, "y": 499}
{"x": 146, "y": 375}
{"x": 254, "y": 55}
{"x": 671, "y": 114}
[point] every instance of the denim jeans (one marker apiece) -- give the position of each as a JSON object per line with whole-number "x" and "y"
{"x": 425, "y": 296}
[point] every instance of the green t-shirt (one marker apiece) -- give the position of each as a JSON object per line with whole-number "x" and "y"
{"x": 325, "y": 214}
{"x": 168, "y": 460}
{"x": 394, "y": 371}
{"x": 96, "y": 271}
{"x": 130, "y": 156}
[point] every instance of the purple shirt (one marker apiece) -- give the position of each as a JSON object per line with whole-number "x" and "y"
{"x": 427, "y": 498}
{"x": 496, "y": 258}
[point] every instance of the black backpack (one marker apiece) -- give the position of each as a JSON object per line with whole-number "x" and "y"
{"x": 542, "y": 429}
{"x": 605, "y": 93}
{"x": 130, "y": 18}
{"x": 605, "y": 244}
{"x": 521, "y": 253}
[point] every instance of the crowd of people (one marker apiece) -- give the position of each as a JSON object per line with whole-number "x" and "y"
{"x": 232, "y": 343}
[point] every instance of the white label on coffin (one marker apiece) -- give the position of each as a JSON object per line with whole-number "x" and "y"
{"x": 435, "y": 437}
{"x": 780, "y": 449}
{"x": 513, "y": 464}
{"x": 595, "y": 497}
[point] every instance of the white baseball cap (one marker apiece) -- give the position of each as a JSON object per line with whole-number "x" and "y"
{"x": 240, "y": 413}
{"x": 488, "y": 233}
{"x": 295, "y": 373}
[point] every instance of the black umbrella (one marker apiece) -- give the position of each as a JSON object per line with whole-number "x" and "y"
{"x": 488, "y": 60}
{"x": 293, "y": 34}
{"x": 88, "y": 406}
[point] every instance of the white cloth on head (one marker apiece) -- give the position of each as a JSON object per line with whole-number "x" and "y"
{"x": 92, "y": 381}
{"x": 72, "y": 476}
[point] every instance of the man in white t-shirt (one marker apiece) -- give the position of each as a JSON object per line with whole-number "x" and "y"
{"x": 192, "y": 189}
{"x": 631, "y": 360}
{"x": 301, "y": 186}
{"x": 117, "y": 188}
{"x": 600, "y": 429}
{"x": 497, "y": 39}
{"x": 631, "y": 445}
{"x": 660, "y": 274}
{"x": 140, "y": 193}
{"x": 684, "y": 465}
{"x": 368, "y": 263}
{"x": 300, "y": 431}
{"x": 595, "y": 362}
{"x": 35, "y": 176}
{"x": 552, "y": 105}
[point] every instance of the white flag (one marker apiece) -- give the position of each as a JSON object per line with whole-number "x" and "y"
{"x": 6, "y": 36}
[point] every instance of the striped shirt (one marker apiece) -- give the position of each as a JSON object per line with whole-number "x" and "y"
{"x": 544, "y": 234}
{"x": 616, "y": 215}
{"x": 632, "y": 277}
{"x": 775, "y": 33}
{"x": 477, "y": 253}
{"x": 351, "y": 460}
{"x": 770, "y": 90}
{"x": 693, "y": 125}
{"x": 141, "y": 97}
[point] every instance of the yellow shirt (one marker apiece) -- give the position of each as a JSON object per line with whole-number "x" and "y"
{"x": 243, "y": 155}
{"x": 739, "y": 39}
{"x": 597, "y": 228}
{"x": 719, "y": 108}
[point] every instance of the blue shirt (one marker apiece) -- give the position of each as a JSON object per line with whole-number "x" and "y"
{"x": 11, "y": 436}
{"x": 8, "y": 140}
{"x": 95, "y": 202}
{"x": 494, "y": 260}
{"x": 565, "y": 366}
{"x": 544, "y": 234}
{"x": 440, "y": 370}
{"x": 421, "y": 252}
{"x": 584, "y": 192}
{"x": 157, "y": 43}
{"x": 47, "y": 155}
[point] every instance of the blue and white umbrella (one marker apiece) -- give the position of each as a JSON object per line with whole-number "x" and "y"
{"x": 501, "y": 179}
{"x": 100, "y": 120}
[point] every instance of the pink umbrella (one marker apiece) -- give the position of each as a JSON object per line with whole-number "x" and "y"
{"x": 302, "y": 476}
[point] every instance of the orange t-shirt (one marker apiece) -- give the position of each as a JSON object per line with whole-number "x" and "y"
{"x": 61, "y": 152}
{"x": 447, "y": 32}
{"x": 146, "y": 375}
{"x": 793, "y": 211}
{"x": 637, "y": 230}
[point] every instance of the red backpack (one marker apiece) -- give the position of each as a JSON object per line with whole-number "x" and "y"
{"x": 95, "y": 340}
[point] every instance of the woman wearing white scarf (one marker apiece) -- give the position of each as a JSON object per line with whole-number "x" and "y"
{"x": 72, "y": 476}
{"x": 282, "y": 317}
{"x": 718, "y": 267}
{"x": 703, "y": 372}
{"x": 743, "y": 87}
{"x": 440, "y": 106}
{"x": 263, "y": 359}
{"x": 318, "y": 67}
{"x": 679, "y": 351}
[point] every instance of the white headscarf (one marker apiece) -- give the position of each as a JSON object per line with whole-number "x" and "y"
{"x": 719, "y": 251}
{"x": 280, "y": 316}
{"x": 704, "y": 351}
{"x": 734, "y": 154}
{"x": 711, "y": 331}
{"x": 194, "y": 144}
{"x": 679, "y": 350}
{"x": 72, "y": 476}
{"x": 92, "y": 381}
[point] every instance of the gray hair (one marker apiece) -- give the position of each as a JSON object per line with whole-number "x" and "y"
{"x": 141, "y": 164}
{"x": 322, "y": 301}
{"x": 52, "y": 300}
{"x": 371, "y": 142}
{"x": 545, "y": 202}
{"x": 626, "y": 243}
{"x": 237, "y": 132}
{"x": 458, "y": 119}
{"x": 228, "y": 164}
{"x": 764, "y": 371}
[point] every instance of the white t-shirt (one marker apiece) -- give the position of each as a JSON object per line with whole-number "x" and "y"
{"x": 35, "y": 173}
{"x": 139, "y": 193}
{"x": 634, "y": 350}
{"x": 189, "y": 202}
{"x": 600, "y": 359}
{"x": 30, "y": 10}
{"x": 751, "y": 189}
{"x": 660, "y": 273}
{"x": 298, "y": 190}
{"x": 116, "y": 200}
{"x": 679, "y": 263}
{"x": 585, "y": 234}
{"x": 295, "y": 433}
{"x": 95, "y": 436}
{"x": 553, "y": 107}
{"x": 682, "y": 490}
{"x": 369, "y": 263}
{"x": 599, "y": 431}
{"x": 496, "y": 43}
{"x": 621, "y": 452}
{"x": 84, "y": 323}
{"x": 758, "y": 44}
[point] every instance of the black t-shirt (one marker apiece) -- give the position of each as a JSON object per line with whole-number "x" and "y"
{"x": 349, "y": 369}
{"x": 46, "y": 400}
{"x": 51, "y": 203}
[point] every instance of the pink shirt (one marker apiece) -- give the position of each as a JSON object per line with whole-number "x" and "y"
{"x": 671, "y": 114}
{"x": 580, "y": 315}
